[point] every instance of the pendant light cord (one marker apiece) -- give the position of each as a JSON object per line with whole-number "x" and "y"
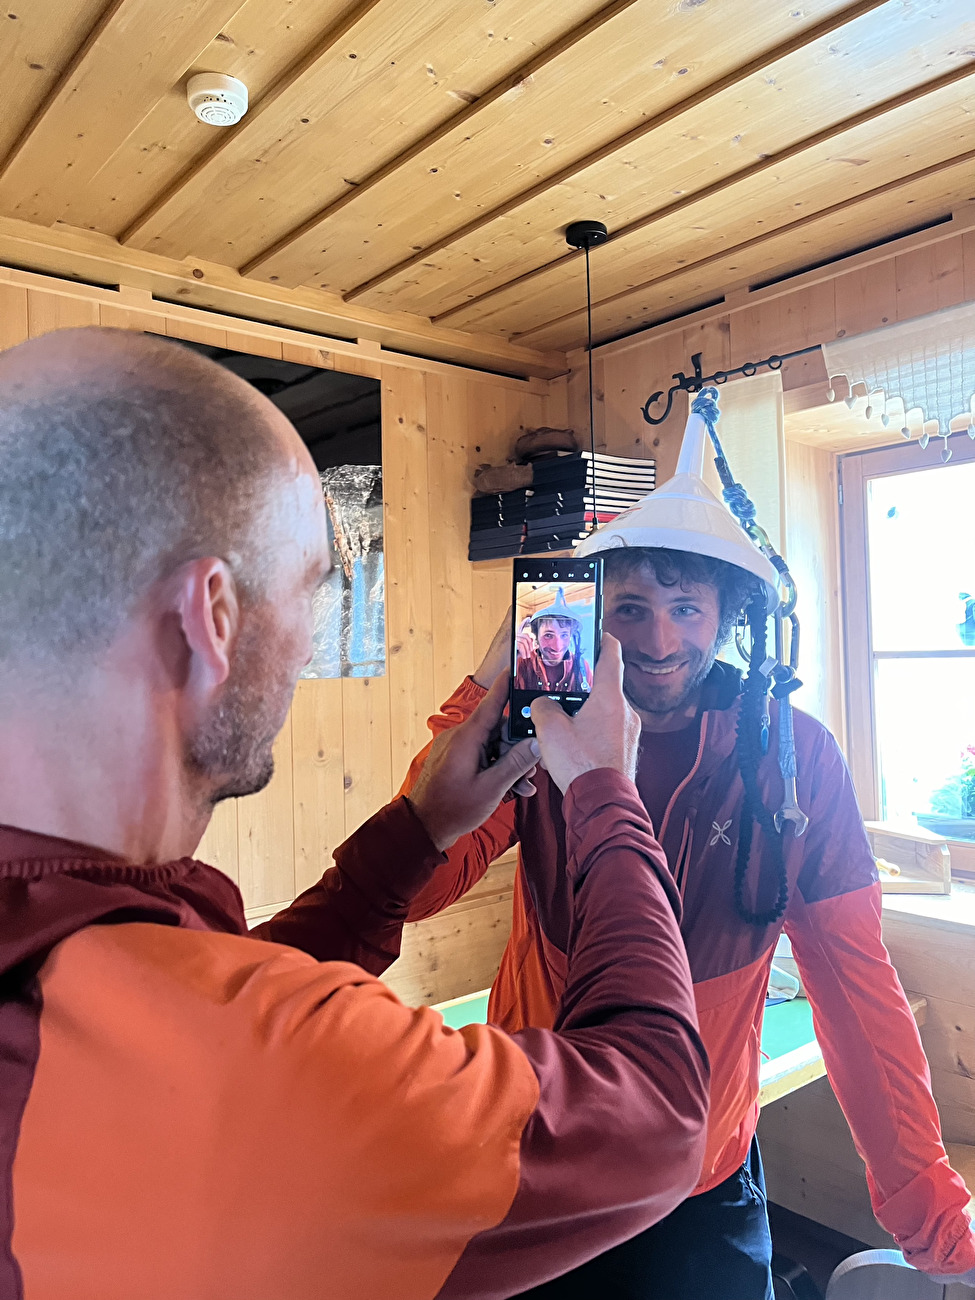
{"x": 594, "y": 523}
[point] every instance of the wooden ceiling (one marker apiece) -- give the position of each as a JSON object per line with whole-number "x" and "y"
{"x": 425, "y": 158}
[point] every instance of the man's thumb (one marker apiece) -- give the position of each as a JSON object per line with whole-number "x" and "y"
{"x": 512, "y": 766}
{"x": 608, "y": 673}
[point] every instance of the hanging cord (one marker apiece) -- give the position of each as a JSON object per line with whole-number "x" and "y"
{"x": 592, "y": 419}
{"x": 753, "y": 716}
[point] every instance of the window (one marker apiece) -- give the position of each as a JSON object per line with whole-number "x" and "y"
{"x": 909, "y": 583}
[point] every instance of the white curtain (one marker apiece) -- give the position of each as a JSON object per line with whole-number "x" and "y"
{"x": 925, "y": 366}
{"x": 752, "y": 433}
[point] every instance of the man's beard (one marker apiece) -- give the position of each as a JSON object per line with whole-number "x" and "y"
{"x": 234, "y": 746}
{"x": 647, "y": 696}
{"x": 550, "y": 662}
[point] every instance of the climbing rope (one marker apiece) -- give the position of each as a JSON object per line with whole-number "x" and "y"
{"x": 766, "y": 671}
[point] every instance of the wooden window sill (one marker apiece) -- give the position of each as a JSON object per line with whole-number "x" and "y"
{"x": 954, "y": 911}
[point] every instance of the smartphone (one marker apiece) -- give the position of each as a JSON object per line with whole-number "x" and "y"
{"x": 558, "y": 617}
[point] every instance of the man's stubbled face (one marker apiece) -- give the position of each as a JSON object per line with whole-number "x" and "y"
{"x": 554, "y": 637}
{"x": 233, "y": 746}
{"x": 669, "y": 636}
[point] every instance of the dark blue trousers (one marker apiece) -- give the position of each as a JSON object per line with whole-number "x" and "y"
{"x": 716, "y": 1246}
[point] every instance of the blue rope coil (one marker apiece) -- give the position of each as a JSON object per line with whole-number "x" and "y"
{"x": 736, "y": 498}
{"x": 740, "y": 504}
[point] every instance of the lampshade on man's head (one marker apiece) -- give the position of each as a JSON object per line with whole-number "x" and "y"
{"x": 556, "y": 630}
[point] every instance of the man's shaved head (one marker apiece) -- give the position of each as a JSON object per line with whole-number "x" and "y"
{"x": 162, "y": 533}
{"x": 121, "y": 457}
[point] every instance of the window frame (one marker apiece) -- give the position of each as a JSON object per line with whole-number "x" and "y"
{"x": 854, "y": 471}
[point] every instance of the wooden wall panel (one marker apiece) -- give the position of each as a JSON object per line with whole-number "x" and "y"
{"x": 14, "y": 319}
{"x": 408, "y": 526}
{"x": 266, "y": 834}
{"x": 812, "y": 550}
{"x": 50, "y": 311}
{"x": 318, "y": 773}
{"x": 451, "y": 582}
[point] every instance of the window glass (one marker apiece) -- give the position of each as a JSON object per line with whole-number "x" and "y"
{"x": 921, "y": 539}
{"x": 925, "y": 720}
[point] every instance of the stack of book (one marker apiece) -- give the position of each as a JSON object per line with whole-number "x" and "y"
{"x": 619, "y": 483}
{"x": 560, "y": 507}
{"x": 498, "y": 525}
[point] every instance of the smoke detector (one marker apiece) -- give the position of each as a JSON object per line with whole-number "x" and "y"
{"x": 216, "y": 99}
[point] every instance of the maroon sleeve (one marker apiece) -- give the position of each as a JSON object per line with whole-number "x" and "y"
{"x": 617, "y": 1139}
{"x": 356, "y": 911}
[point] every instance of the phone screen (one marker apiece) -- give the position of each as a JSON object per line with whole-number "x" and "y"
{"x": 555, "y": 637}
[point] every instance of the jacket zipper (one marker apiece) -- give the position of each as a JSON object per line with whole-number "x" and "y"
{"x": 683, "y": 785}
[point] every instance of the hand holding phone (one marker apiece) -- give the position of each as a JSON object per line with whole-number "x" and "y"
{"x": 555, "y": 632}
{"x": 607, "y": 734}
{"x": 463, "y": 780}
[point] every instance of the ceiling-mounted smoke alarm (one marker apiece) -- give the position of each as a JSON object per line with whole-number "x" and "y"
{"x": 217, "y": 99}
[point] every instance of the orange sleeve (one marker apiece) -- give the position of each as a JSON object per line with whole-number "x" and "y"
{"x": 879, "y": 1073}
{"x": 470, "y": 857}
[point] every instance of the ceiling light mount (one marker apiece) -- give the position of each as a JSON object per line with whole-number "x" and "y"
{"x": 586, "y": 234}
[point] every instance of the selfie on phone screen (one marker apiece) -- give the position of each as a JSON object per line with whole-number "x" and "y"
{"x": 555, "y": 642}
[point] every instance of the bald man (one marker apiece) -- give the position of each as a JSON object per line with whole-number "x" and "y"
{"x": 190, "y": 1111}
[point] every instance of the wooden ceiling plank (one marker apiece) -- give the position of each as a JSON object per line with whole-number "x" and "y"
{"x": 130, "y": 59}
{"x": 703, "y": 96}
{"x": 470, "y": 172}
{"x": 832, "y": 81}
{"x": 262, "y": 40}
{"x": 331, "y": 128}
{"x": 718, "y": 187}
{"x": 229, "y": 139}
{"x": 456, "y": 290}
{"x": 37, "y": 42}
{"x": 455, "y": 123}
{"x": 838, "y": 271}
{"x": 847, "y": 205}
{"x": 810, "y": 179}
{"x": 101, "y": 261}
{"x": 782, "y": 253}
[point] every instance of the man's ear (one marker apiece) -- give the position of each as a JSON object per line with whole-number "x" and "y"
{"x": 208, "y": 607}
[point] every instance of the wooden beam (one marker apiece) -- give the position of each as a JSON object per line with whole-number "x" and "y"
{"x": 511, "y": 82}
{"x": 100, "y": 260}
{"x": 757, "y": 241}
{"x": 133, "y": 57}
{"x": 702, "y": 96}
{"x": 741, "y": 299}
{"x": 301, "y": 67}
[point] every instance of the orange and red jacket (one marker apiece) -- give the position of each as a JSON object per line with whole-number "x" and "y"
{"x": 189, "y": 1112}
{"x": 862, "y": 1019}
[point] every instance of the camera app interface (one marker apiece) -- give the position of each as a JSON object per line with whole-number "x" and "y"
{"x": 555, "y": 640}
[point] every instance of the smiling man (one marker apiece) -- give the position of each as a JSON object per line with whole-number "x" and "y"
{"x": 677, "y": 572}
{"x": 550, "y": 654}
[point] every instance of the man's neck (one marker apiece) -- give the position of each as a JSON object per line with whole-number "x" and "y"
{"x": 89, "y": 775}
{"x": 676, "y": 719}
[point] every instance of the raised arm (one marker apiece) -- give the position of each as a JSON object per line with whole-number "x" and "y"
{"x": 468, "y": 859}
{"x": 357, "y": 910}
{"x": 616, "y": 1138}
{"x": 870, "y": 1042}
